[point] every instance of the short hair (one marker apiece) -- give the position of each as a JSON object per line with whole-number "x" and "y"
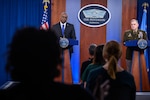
{"x": 134, "y": 20}
{"x": 92, "y": 49}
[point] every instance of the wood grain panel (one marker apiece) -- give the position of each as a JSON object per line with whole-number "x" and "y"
{"x": 57, "y": 7}
{"x": 136, "y": 70}
{"x": 90, "y": 35}
{"x": 129, "y": 11}
{"x": 139, "y": 72}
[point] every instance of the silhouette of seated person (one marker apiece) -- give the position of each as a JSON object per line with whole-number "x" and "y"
{"x": 121, "y": 82}
{"x": 33, "y": 62}
{"x": 98, "y": 62}
{"x": 90, "y": 59}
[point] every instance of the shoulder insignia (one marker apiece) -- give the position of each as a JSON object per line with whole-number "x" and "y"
{"x": 128, "y": 31}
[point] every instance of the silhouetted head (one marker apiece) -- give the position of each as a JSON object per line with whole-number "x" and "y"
{"x": 92, "y": 49}
{"x": 33, "y": 55}
{"x": 112, "y": 52}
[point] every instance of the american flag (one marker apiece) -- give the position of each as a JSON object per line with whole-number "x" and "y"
{"x": 45, "y": 17}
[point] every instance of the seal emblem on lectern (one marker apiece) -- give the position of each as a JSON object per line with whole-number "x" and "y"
{"x": 63, "y": 42}
{"x": 142, "y": 44}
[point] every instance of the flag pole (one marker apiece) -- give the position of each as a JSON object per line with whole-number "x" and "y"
{"x": 144, "y": 27}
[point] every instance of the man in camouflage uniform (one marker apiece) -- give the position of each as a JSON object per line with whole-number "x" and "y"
{"x": 133, "y": 34}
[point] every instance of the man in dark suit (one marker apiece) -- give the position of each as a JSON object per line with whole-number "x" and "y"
{"x": 69, "y": 31}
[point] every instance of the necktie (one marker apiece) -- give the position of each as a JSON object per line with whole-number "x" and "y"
{"x": 62, "y": 29}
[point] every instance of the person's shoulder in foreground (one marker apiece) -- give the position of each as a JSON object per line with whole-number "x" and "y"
{"x": 33, "y": 62}
{"x": 54, "y": 91}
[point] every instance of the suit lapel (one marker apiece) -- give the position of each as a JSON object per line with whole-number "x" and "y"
{"x": 67, "y": 25}
{"x": 59, "y": 29}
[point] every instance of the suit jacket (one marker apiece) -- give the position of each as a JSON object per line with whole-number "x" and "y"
{"x": 69, "y": 32}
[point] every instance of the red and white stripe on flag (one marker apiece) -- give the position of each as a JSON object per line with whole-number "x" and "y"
{"x": 45, "y": 26}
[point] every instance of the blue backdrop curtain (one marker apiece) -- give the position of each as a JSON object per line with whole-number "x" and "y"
{"x": 139, "y": 17}
{"x": 15, "y": 14}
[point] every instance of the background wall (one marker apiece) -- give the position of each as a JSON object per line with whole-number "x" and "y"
{"x": 122, "y": 11}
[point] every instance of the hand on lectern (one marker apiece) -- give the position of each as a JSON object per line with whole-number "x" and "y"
{"x": 140, "y": 35}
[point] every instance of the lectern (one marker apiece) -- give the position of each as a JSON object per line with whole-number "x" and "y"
{"x": 139, "y": 69}
{"x": 66, "y": 72}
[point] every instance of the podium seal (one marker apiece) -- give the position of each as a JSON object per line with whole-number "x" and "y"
{"x": 63, "y": 42}
{"x": 142, "y": 44}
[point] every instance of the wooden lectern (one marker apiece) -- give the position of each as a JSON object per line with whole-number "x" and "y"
{"x": 66, "y": 72}
{"x": 139, "y": 69}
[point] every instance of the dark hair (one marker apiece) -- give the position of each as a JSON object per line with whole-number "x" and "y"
{"x": 98, "y": 55}
{"x": 33, "y": 55}
{"x": 92, "y": 49}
